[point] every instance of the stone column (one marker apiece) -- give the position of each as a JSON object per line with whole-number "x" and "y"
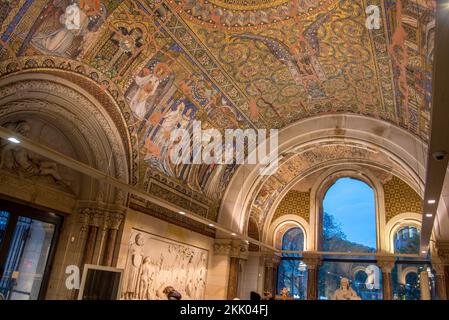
{"x": 271, "y": 263}
{"x": 230, "y": 253}
{"x": 113, "y": 222}
{"x": 386, "y": 264}
{"x": 93, "y": 224}
{"x": 424, "y": 285}
{"x": 440, "y": 264}
{"x": 233, "y": 280}
{"x": 101, "y": 222}
{"x": 238, "y": 252}
{"x": 313, "y": 262}
{"x": 440, "y": 282}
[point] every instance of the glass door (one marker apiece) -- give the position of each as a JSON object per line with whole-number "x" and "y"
{"x": 26, "y": 241}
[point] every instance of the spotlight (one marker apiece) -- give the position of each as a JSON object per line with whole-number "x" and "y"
{"x": 13, "y": 140}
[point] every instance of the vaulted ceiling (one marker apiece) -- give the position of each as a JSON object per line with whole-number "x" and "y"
{"x": 230, "y": 64}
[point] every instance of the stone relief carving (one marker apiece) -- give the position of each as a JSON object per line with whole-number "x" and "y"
{"x": 27, "y": 164}
{"x": 154, "y": 263}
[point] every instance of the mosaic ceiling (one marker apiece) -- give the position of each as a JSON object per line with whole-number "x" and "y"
{"x": 230, "y": 64}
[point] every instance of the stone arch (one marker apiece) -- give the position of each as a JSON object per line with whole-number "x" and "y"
{"x": 78, "y": 116}
{"x": 406, "y": 150}
{"x": 327, "y": 179}
{"x": 397, "y": 222}
{"x": 284, "y": 223}
{"x": 78, "y": 75}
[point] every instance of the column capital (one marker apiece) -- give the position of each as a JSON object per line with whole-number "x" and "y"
{"x": 271, "y": 260}
{"x": 312, "y": 259}
{"x": 386, "y": 262}
{"x": 442, "y": 250}
{"x": 100, "y": 214}
{"x": 438, "y": 267}
{"x": 232, "y": 248}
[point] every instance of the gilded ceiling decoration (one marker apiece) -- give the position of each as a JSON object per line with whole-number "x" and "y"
{"x": 230, "y": 64}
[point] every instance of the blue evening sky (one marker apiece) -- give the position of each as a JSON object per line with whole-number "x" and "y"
{"x": 351, "y": 202}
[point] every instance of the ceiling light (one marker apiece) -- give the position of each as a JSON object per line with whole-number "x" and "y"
{"x": 234, "y": 234}
{"x": 429, "y": 215}
{"x": 182, "y": 212}
{"x": 424, "y": 251}
{"x": 431, "y": 201}
{"x": 13, "y": 140}
{"x": 211, "y": 225}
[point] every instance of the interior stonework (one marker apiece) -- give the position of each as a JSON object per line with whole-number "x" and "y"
{"x": 92, "y": 91}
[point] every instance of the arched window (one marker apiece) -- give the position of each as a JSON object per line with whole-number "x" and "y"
{"x": 407, "y": 240}
{"x": 292, "y": 273}
{"x": 293, "y": 239}
{"x": 349, "y": 217}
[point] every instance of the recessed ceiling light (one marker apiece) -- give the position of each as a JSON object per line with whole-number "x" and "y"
{"x": 182, "y": 212}
{"x": 13, "y": 140}
{"x": 431, "y": 201}
{"x": 429, "y": 215}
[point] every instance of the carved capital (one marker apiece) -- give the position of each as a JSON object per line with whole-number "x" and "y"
{"x": 312, "y": 259}
{"x": 100, "y": 214}
{"x": 442, "y": 250}
{"x": 438, "y": 267}
{"x": 232, "y": 248}
{"x": 239, "y": 249}
{"x": 271, "y": 260}
{"x": 386, "y": 262}
{"x": 222, "y": 247}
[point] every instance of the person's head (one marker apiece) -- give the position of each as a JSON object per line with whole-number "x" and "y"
{"x": 23, "y": 128}
{"x": 148, "y": 87}
{"x": 139, "y": 239}
{"x": 254, "y": 296}
{"x": 344, "y": 283}
{"x": 181, "y": 107}
{"x": 168, "y": 289}
{"x": 161, "y": 70}
{"x": 188, "y": 112}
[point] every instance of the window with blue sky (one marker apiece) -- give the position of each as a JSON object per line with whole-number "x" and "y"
{"x": 349, "y": 217}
